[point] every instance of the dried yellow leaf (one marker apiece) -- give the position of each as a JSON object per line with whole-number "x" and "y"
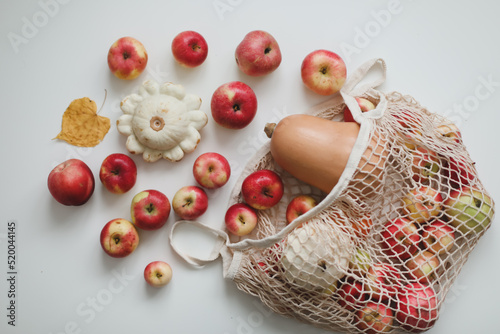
{"x": 81, "y": 126}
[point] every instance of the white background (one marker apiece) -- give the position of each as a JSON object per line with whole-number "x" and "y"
{"x": 441, "y": 53}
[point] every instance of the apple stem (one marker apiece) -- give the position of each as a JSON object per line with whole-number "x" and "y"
{"x": 116, "y": 240}
{"x": 150, "y": 208}
{"x": 188, "y": 202}
{"x": 267, "y": 50}
{"x": 236, "y": 107}
{"x": 269, "y": 129}
{"x": 324, "y": 69}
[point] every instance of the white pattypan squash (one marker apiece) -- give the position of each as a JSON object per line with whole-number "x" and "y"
{"x": 162, "y": 121}
{"x": 313, "y": 258}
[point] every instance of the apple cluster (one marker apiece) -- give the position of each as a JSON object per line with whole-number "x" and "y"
{"x": 72, "y": 183}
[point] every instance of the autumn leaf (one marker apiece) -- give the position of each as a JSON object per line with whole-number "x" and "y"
{"x": 81, "y": 125}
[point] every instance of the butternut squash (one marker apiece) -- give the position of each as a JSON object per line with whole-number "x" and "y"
{"x": 316, "y": 150}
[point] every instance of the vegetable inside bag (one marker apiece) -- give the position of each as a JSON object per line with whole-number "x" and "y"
{"x": 380, "y": 250}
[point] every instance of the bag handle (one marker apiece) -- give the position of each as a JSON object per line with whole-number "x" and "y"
{"x": 352, "y": 89}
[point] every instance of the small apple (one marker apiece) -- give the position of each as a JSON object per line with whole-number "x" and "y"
{"x": 258, "y": 53}
{"x": 425, "y": 164}
{"x": 233, "y": 105}
{"x": 351, "y": 295}
{"x": 150, "y": 209}
{"x": 459, "y": 172}
{"x": 262, "y": 189}
{"x": 360, "y": 263}
{"x": 298, "y": 206}
{"x": 190, "y": 202}
{"x": 383, "y": 282}
{"x": 423, "y": 267}
{"x": 416, "y": 309}
{"x": 158, "y": 273}
{"x": 324, "y": 72}
{"x": 211, "y": 170}
{"x": 118, "y": 173}
{"x": 71, "y": 182}
{"x": 189, "y": 48}
{"x": 400, "y": 238}
{"x": 438, "y": 237}
{"x": 422, "y": 204}
{"x": 240, "y": 219}
{"x": 127, "y": 58}
{"x": 469, "y": 209}
{"x": 119, "y": 238}
{"x": 450, "y": 131}
{"x": 374, "y": 318}
{"x": 364, "y": 105}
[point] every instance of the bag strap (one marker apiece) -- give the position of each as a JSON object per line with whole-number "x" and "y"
{"x": 353, "y": 88}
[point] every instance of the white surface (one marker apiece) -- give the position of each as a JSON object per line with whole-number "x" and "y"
{"x": 439, "y": 52}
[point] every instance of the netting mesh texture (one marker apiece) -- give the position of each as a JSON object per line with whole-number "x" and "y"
{"x": 384, "y": 254}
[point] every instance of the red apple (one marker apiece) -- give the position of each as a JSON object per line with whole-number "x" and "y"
{"x": 438, "y": 237}
{"x": 425, "y": 164}
{"x": 364, "y": 105}
{"x": 423, "y": 267}
{"x": 240, "y": 219}
{"x": 383, "y": 282}
{"x": 189, "y": 48}
{"x": 400, "y": 238}
{"x": 324, "y": 72}
{"x": 450, "y": 131}
{"x": 119, "y": 238}
{"x": 416, "y": 307}
{"x": 118, "y": 173}
{"x": 127, "y": 58}
{"x": 233, "y": 105}
{"x": 262, "y": 189}
{"x": 459, "y": 172}
{"x": 351, "y": 295}
{"x": 211, "y": 170}
{"x": 150, "y": 209}
{"x": 71, "y": 182}
{"x": 190, "y": 202}
{"x": 422, "y": 204}
{"x": 298, "y": 206}
{"x": 258, "y": 53}
{"x": 374, "y": 318}
{"x": 158, "y": 273}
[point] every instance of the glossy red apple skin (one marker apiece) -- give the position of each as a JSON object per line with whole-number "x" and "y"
{"x": 211, "y": 170}
{"x": 233, "y": 105}
{"x": 298, "y": 206}
{"x": 119, "y": 238}
{"x": 150, "y": 209}
{"x": 416, "y": 307}
{"x": 364, "y": 104}
{"x": 190, "y": 202}
{"x": 400, "y": 238}
{"x": 118, "y": 173}
{"x": 460, "y": 173}
{"x": 374, "y": 318}
{"x": 258, "y": 53}
{"x": 127, "y": 58}
{"x": 324, "y": 72}
{"x": 438, "y": 237}
{"x": 189, "y": 48}
{"x": 351, "y": 295}
{"x": 240, "y": 219}
{"x": 71, "y": 182}
{"x": 262, "y": 189}
{"x": 423, "y": 204}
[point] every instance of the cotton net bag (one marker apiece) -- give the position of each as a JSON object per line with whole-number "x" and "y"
{"x": 381, "y": 250}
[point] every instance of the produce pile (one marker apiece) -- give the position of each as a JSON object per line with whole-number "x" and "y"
{"x": 355, "y": 217}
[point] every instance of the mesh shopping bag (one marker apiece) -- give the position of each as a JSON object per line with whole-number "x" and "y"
{"x": 382, "y": 248}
